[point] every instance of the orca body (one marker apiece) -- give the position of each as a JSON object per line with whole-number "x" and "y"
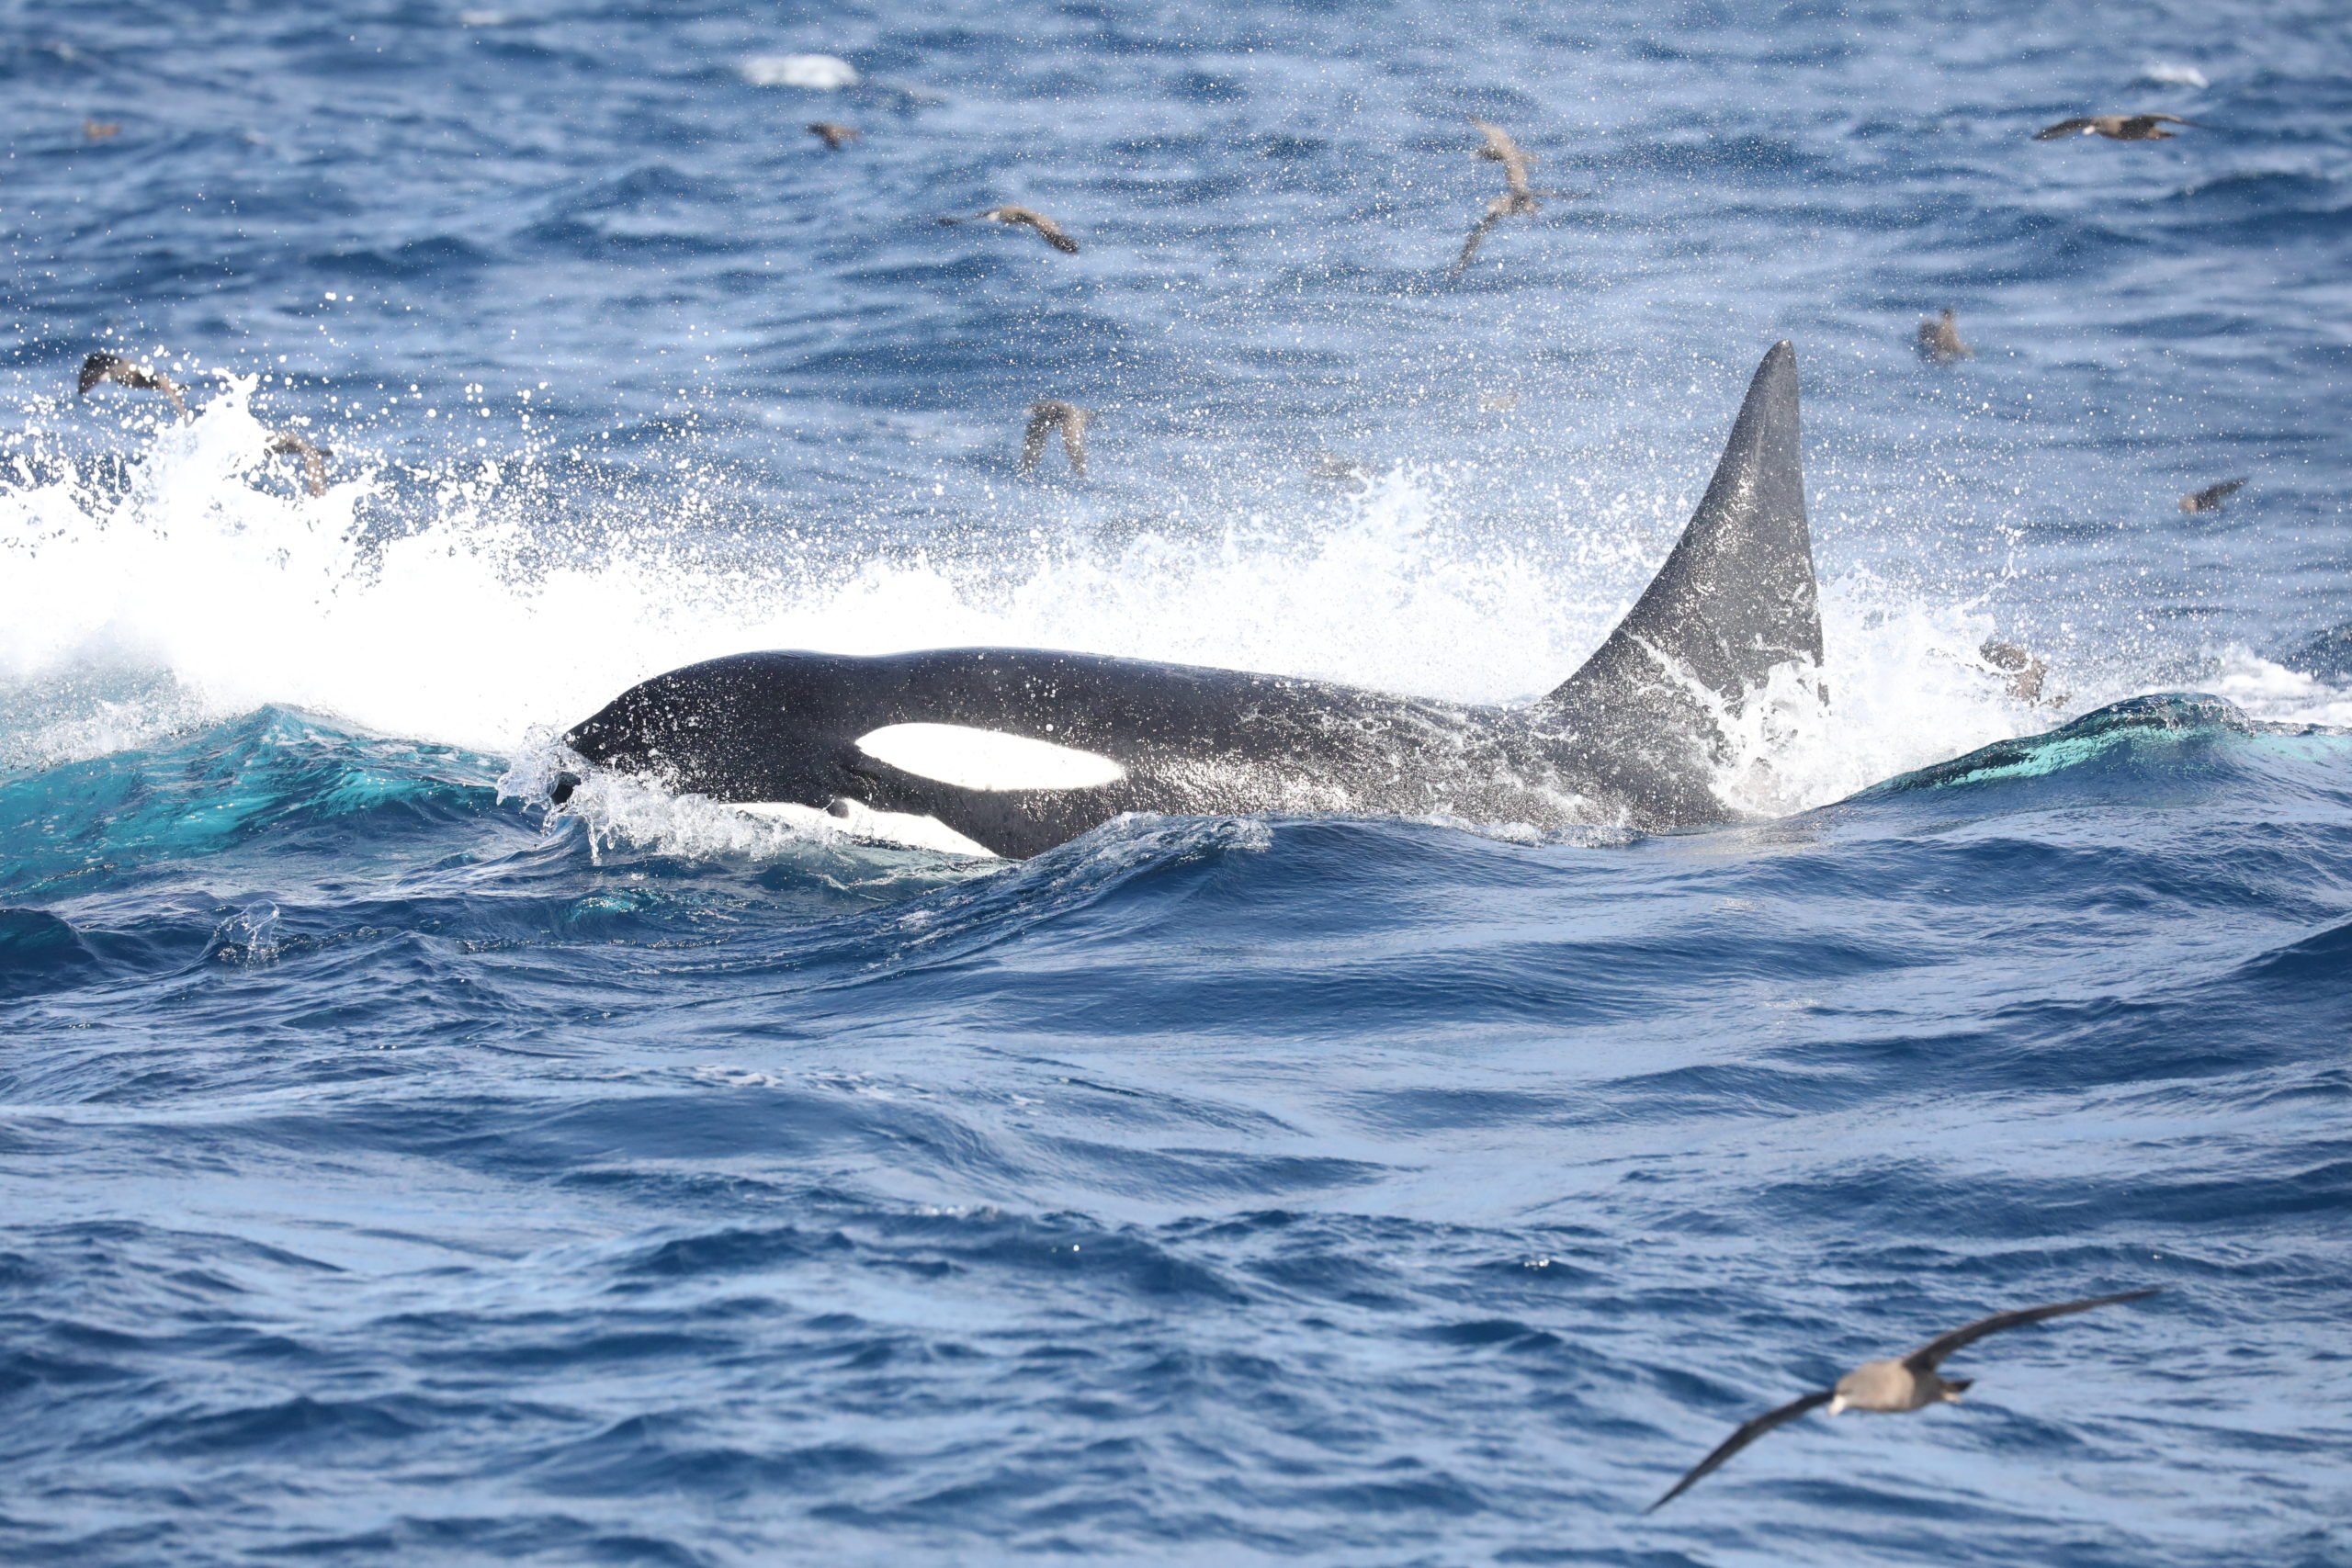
{"x": 1013, "y": 750}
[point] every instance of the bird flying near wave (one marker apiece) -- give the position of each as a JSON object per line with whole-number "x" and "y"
{"x": 1940, "y": 339}
{"x": 1027, "y": 218}
{"x": 1890, "y": 1387}
{"x": 102, "y": 367}
{"x": 1500, "y": 149}
{"x": 2115, "y": 127}
{"x": 1046, "y": 417}
{"x": 1520, "y": 197}
{"x": 2210, "y": 498}
{"x": 314, "y": 458}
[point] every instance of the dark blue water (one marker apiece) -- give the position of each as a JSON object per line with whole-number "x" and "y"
{"x": 393, "y": 1169}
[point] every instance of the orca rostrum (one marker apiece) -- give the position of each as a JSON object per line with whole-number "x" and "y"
{"x": 1010, "y": 751}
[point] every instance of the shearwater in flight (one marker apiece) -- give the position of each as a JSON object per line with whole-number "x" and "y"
{"x": 1010, "y": 751}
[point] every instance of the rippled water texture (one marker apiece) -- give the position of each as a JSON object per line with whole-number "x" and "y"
{"x": 391, "y": 1169}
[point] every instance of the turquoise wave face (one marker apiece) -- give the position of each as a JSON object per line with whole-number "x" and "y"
{"x": 2144, "y": 738}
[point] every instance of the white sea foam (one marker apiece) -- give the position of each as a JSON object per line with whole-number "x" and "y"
{"x": 2273, "y": 690}
{"x": 219, "y": 588}
{"x": 818, "y": 72}
{"x": 210, "y": 586}
{"x": 2173, "y": 73}
{"x": 1906, "y": 687}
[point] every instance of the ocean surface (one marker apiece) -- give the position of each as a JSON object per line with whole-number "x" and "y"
{"x": 393, "y": 1167}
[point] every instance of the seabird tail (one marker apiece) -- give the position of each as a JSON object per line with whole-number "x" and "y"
{"x": 1644, "y": 716}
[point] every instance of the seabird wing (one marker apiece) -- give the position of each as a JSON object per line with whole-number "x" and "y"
{"x": 314, "y": 465}
{"x": 2063, "y": 128}
{"x": 1033, "y": 440}
{"x": 1497, "y": 210}
{"x": 99, "y": 367}
{"x": 1073, "y": 424}
{"x": 1939, "y": 337}
{"x": 1499, "y": 147}
{"x": 1515, "y": 169}
{"x": 104, "y": 366}
{"x": 1747, "y": 1433}
{"x": 2006, "y": 656}
{"x": 1927, "y": 1357}
{"x": 1050, "y": 232}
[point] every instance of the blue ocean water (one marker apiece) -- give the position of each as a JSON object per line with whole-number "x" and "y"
{"x": 393, "y": 1168}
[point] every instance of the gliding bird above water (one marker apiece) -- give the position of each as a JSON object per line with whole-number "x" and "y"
{"x": 2027, "y": 672}
{"x": 834, "y": 136}
{"x": 314, "y": 458}
{"x": 1519, "y": 197}
{"x": 1890, "y": 1387}
{"x": 2210, "y": 498}
{"x": 2114, "y": 127}
{"x": 1023, "y": 217}
{"x": 1940, "y": 339}
{"x": 1046, "y": 417}
{"x": 102, "y": 367}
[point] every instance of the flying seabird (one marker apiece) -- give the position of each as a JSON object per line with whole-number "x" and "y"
{"x": 1048, "y": 229}
{"x": 1890, "y": 1386}
{"x": 314, "y": 458}
{"x": 104, "y": 366}
{"x": 1047, "y": 415}
{"x": 2115, "y": 127}
{"x": 1519, "y": 197}
{"x": 2026, "y": 672}
{"x": 2210, "y": 498}
{"x": 834, "y": 136}
{"x": 1340, "y": 466}
{"x": 1940, "y": 339}
{"x": 101, "y": 129}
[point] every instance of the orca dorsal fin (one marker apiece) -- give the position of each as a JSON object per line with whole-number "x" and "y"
{"x": 1735, "y": 598}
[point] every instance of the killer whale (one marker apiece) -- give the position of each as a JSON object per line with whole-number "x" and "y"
{"x": 1010, "y": 751}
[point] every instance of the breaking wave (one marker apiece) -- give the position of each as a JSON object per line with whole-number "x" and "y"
{"x": 195, "y": 582}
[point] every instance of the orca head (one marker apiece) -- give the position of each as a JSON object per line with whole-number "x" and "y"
{"x": 746, "y": 727}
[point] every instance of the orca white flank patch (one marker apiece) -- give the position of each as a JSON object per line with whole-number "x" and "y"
{"x": 986, "y": 759}
{"x": 860, "y": 821}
